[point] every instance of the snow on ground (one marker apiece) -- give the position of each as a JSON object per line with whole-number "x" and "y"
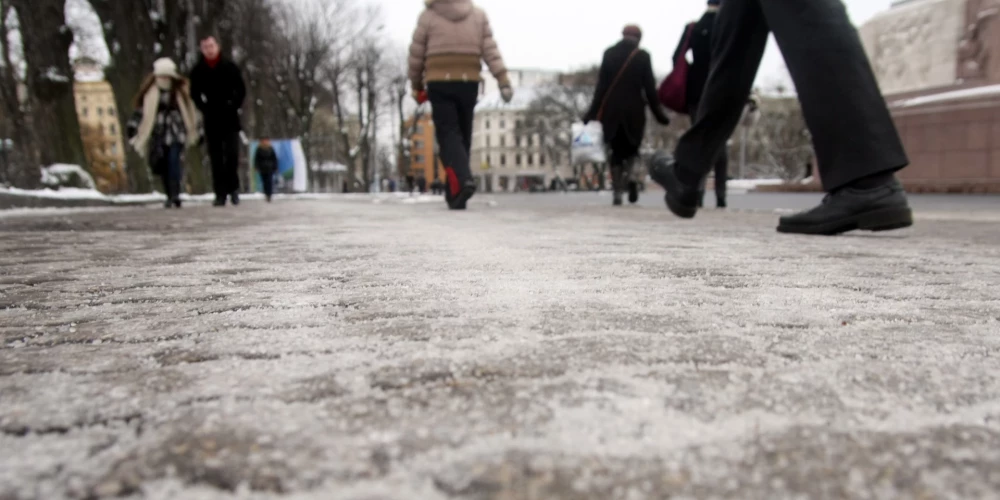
{"x": 361, "y": 351}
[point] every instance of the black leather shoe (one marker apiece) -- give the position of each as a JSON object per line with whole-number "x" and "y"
{"x": 460, "y": 200}
{"x": 235, "y": 197}
{"x": 682, "y": 200}
{"x": 883, "y": 208}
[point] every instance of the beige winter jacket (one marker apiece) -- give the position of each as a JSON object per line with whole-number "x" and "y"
{"x": 452, "y": 39}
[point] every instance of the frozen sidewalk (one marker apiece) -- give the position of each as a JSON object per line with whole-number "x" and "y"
{"x": 345, "y": 349}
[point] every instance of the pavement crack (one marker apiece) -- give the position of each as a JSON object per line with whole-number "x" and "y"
{"x": 59, "y": 430}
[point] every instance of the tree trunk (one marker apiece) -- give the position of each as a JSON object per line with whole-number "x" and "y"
{"x": 46, "y": 41}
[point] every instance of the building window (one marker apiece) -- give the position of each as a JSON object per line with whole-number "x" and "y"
{"x": 541, "y": 160}
{"x": 487, "y": 141}
{"x": 503, "y": 160}
{"x": 100, "y": 111}
{"x": 517, "y": 160}
{"x": 113, "y": 165}
{"x": 531, "y": 159}
{"x": 503, "y": 141}
{"x": 86, "y": 111}
{"x": 531, "y": 140}
{"x": 418, "y": 144}
{"x": 111, "y": 111}
{"x": 487, "y": 124}
{"x": 420, "y": 129}
{"x": 114, "y": 148}
{"x": 418, "y": 159}
{"x": 114, "y": 129}
{"x": 502, "y": 124}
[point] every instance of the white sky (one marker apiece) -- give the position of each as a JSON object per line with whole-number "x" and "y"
{"x": 567, "y": 34}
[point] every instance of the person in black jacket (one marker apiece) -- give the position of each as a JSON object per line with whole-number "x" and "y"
{"x": 265, "y": 161}
{"x": 858, "y": 148}
{"x": 218, "y": 90}
{"x": 700, "y": 46}
{"x": 625, "y": 87}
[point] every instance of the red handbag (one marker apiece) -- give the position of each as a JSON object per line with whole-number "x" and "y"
{"x": 673, "y": 90}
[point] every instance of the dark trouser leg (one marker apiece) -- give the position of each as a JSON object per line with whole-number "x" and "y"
{"x": 737, "y": 48}
{"x": 447, "y": 127}
{"x": 232, "y": 162}
{"x": 721, "y": 176}
{"x": 267, "y": 181}
{"x": 853, "y": 133}
{"x": 217, "y": 156}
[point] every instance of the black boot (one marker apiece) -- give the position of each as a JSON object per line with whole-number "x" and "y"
{"x": 236, "y": 198}
{"x": 168, "y": 192}
{"x": 880, "y": 208}
{"x": 682, "y": 198}
{"x": 460, "y": 200}
{"x": 617, "y": 175}
{"x": 175, "y": 192}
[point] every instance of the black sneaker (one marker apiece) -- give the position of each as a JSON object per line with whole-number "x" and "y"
{"x": 721, "y": 203}
{"x": 236, "y": 198}
{"x": 682, "y": 200}
{"x": 460, "y": 200}
{"x": 882, "y": 208}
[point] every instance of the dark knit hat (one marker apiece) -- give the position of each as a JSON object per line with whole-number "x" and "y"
{"x": 632, "y": 31}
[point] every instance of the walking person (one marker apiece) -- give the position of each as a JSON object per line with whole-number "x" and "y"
{"x": 165, "y": 123}
{"x": 698, "y": 39}
{"x": 857, "y": 146}
{"x": 265, "y": 161}
{"x": 218, "y": 90}
{"x": 452, "y": 39}
{"x": 625, "y": 87}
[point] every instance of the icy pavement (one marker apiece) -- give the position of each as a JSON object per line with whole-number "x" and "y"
{"x": 358, "y": 350}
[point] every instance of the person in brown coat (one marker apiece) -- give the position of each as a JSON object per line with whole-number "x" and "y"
{"x": 452, "y": 39}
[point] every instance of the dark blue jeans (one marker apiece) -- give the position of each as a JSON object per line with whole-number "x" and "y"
{"x": 174, "y": 172}
{"x": 267, "y": 182}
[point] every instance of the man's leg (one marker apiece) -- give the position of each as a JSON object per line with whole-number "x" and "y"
{"x": 216, "y": 156}
{"x": 721, "y": 177}
{"x": 445, "y": 105}
{"x": 233, "y": 165}
{"x": 738, "y": 44}
{"x": 853, "y": 132}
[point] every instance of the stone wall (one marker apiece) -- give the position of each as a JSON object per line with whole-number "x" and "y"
{"x": 915, "y": 45}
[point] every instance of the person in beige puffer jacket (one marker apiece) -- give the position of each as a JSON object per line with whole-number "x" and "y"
{"x": 452, "y": 39}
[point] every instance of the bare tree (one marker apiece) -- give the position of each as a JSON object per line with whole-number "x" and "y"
{"x": 554, "y": 109}
{"x": 19, "y": 163}
{"x": 355, "y": 79}
{"x": 49, "y": 80}
{"x": 311, "y": 34}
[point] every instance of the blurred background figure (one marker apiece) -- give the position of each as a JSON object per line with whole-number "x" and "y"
{"x": 625, "y": 88}
{"x": 266, "y": 163}
{"x": 164, "y": 124}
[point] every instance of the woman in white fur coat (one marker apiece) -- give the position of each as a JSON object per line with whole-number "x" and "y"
{"x": 169, "y": 124}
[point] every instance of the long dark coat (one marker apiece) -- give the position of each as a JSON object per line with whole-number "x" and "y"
{"x": 625, "y": 110}
{"x": 219, "y": 93}
{"x": 701, "y": 57}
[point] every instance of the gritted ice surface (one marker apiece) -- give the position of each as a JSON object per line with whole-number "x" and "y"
{"x": 355, "y": 350}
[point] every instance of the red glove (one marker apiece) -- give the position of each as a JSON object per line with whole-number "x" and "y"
{"x": 420, "y": 96}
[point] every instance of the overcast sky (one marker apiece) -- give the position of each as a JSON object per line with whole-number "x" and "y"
{"x": 567, "y": 34}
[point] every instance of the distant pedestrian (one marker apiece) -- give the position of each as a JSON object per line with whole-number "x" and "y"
{"x": 625, "y": 88}
{"x": 166, "y": 122}
{"x": 218, "y": 90}
{"x": 698, "y": 39}
{"x": 857, "y": 146}
{"x": 452, "y": 39}
{"x": 265, "y": 161}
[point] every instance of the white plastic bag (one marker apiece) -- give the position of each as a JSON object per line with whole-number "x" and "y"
{"x": 588, "y": 143}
